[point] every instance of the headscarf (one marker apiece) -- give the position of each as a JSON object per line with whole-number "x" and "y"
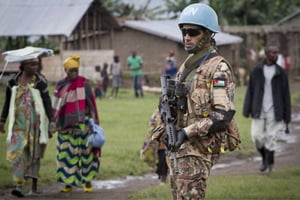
{"x": 72, "y": 62}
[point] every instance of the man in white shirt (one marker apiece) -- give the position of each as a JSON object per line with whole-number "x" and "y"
{"x": 268, "y": 102}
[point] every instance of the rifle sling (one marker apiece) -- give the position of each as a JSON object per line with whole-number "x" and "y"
{"x": 198, "y": 63}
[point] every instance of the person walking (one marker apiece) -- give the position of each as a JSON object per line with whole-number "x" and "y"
{"x": 105, "y": 78}
{"x": 116, "y": 76}
{"x": 171, "y": 68}
{"x": 98, "y": 85}
{"x": 161, "y": 167}
{"x": 27, "y": 106}
{"x": 135, "y": 64}
{"x": 204, "y": 109}
{"x": 268, "y": 102}
{"x": 74, "y": 104}
{"x": 153, "y": 151}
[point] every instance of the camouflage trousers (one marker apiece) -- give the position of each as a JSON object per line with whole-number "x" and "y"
{"x": 190, "y": 182}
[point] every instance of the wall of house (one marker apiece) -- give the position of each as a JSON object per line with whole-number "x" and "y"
{"x": 154, "y": 50}
{"x": 295, "y": 21}
{"x": 287, "y": 38}
{"x": 52, "y": 67}
{"x": 289, "y": 44}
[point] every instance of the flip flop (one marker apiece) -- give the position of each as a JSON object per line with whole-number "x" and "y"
{"x": 87, "y": 189}
{"x": 66, "y": 189}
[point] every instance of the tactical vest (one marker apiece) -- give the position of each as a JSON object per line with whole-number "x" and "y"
{"x": 201, "y": 78}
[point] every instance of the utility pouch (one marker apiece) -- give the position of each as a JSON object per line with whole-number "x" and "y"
{"x": 233, "y": 136}
{"x": 228, "y": 140}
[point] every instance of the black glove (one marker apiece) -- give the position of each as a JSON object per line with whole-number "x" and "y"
{"x": 287, "y": 130}
{"x": 170, "y": 147}
{"x": 181, "y": 137}
{"x": 221, "y": 125}
{"x": 165, "y": 139}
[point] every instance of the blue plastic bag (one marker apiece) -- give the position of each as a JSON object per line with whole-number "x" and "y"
{"x": 96, "y": 136}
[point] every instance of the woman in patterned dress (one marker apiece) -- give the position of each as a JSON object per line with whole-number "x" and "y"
{"x": 74, "y": 103}
{"x": 28, "y": 107}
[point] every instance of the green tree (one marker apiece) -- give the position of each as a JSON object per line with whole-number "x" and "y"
{"x": 118, "y": 8}
{"x": 176, "y": 6}
{"x": 145, "y": 12}
{"x": 253, "y": 12}
{"x": 121, "y": 9}
{"x": 230, "y": 12}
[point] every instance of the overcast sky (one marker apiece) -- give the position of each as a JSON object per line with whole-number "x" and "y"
{"x": 140, "y": 3}
{"x": 153, "y": 3}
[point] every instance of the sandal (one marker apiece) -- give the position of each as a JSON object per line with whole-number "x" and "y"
{"x": 67, "y": 189}
{"x": 87, "y": 189}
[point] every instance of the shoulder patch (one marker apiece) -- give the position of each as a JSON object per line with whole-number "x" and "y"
{"x": 219, "y": 82}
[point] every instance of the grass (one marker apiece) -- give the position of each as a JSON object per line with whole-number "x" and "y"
{"x": 284, "y": 184}
{"x": 125, "y": 121}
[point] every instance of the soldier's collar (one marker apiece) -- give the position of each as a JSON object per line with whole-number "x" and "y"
{"x": 198, "y": 56}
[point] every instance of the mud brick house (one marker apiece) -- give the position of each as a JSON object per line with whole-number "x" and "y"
{"x": 153, "y": 39}
{"x": 86, "y": 28}
{"x": 285, "y": 34}
{"x": 75, "y": 26}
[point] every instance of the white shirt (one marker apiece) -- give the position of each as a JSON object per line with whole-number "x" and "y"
{"x": 269, "y": 72}
{"x": 116, "y": 69}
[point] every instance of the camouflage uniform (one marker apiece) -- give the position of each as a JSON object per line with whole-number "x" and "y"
{"x": 148, "y": 153}
{"x": 211, "y": 90}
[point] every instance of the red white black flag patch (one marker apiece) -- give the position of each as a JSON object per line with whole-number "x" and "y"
{"x": 219, "y": 82}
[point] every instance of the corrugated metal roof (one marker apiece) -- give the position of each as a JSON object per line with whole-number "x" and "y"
{"x": 169, "y": 29}
{"x": 40, "y": 17}
{"x": 142, "y": 3}
{"x": 157, "y": 7}
{"x": 288, "y": 18}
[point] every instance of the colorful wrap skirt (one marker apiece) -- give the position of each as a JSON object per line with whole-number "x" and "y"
{"x": 76, "y": 162}
{"x": 24, "y": 149}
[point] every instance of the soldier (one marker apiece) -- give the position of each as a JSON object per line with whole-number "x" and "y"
{"x": 205, "y": 89}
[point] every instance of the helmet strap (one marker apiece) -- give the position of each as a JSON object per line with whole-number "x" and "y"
{"x": 204, "y": 42}
{"x": 194, "y": 49}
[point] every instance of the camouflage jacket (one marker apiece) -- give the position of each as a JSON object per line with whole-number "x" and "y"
{"x": 211, "y": 93}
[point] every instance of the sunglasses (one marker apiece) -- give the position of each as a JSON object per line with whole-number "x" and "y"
{"x": 190, "y": 31}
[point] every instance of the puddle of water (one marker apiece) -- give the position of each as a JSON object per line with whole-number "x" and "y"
{"x": 109, "y": 184}
{"x": 284, "y": 139}
{"x": 225, "y": 165}
{"x": 296, "y": 127}
{"x": 119, "y": 183}
{"x": 295, "y": 117}
{"x": 287, "y": 138}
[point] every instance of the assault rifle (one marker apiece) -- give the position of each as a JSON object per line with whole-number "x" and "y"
{"x": 167, "y": 100}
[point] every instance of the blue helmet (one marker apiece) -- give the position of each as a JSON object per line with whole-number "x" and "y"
{"x": 199, "y": 14}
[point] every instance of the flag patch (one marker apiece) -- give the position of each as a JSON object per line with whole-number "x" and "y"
{"x": 218, "y": 83}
